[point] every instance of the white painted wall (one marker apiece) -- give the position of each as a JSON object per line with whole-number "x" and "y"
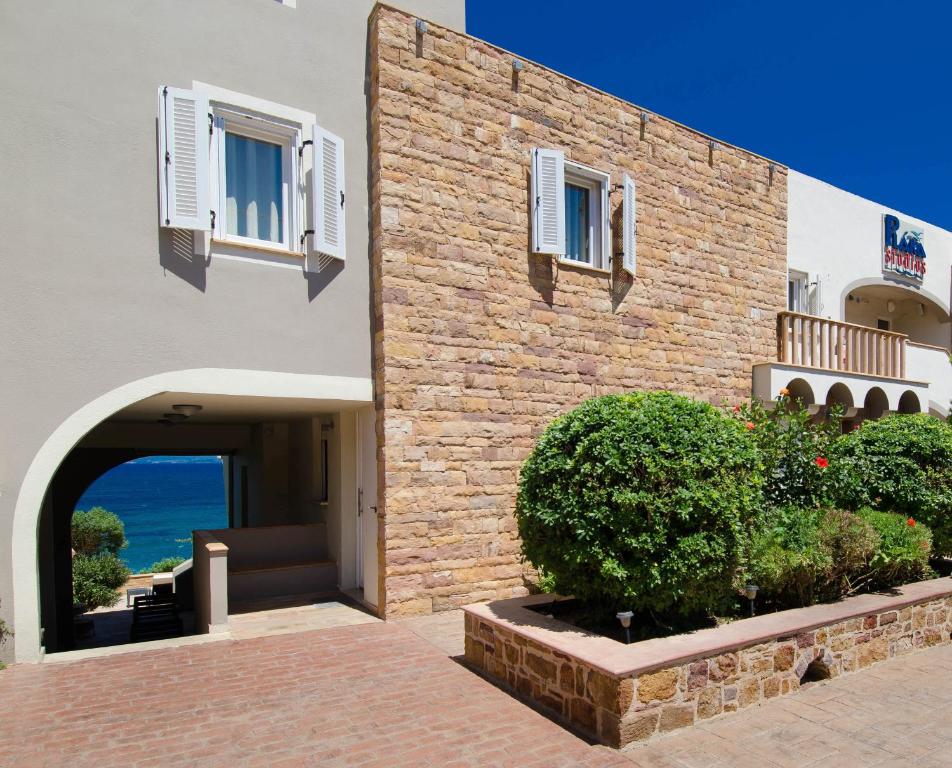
{"x": 837, "y": 236}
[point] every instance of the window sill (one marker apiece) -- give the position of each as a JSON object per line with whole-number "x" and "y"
{"x": 583, "y": 266}
{"x": 258, "y": 248}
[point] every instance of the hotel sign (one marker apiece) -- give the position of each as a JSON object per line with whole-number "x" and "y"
{"x": 903, "y": 251}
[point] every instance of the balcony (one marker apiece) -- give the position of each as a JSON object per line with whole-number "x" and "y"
{"x": 870, "y": 372}
{"x": 831, "y": 345}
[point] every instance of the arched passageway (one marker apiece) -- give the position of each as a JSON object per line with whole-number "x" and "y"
{"x": 280, "y": 421}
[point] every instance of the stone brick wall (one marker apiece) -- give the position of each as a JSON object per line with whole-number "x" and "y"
{"x": 479, "y": 343}
{"x": 619, "y": 710}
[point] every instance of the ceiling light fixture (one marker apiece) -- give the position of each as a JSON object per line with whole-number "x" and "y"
{"x": 187, "y": 409}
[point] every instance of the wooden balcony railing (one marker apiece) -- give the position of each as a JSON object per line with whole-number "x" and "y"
{"x": 830, "y": 345}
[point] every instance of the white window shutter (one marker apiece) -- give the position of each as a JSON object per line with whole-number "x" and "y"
{"x": 548, "y": 201}
{"x": 629, "y": 225}
{"x": 327, "y": 194}
{"x": 183, "y": 159}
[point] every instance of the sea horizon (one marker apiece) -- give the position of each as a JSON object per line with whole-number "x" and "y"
{"x": 161, "y": 500}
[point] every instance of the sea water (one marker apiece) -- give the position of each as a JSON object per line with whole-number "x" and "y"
{"x": 161, "y": 500}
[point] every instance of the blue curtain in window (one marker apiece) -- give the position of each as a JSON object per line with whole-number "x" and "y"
{"x": 576, "y": 223}
{"x": 253, "y": 188}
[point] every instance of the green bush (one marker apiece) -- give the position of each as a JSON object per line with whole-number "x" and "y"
{"x": 795, "y": 451}
{"x": 903, "y": 552}
{"x": 164, "y": 565}
{"x": 97, "y": 532}
{"x": 902, "y": 463}
{"x": 96, "y": 579}
{"x": 803, "y": 556}
{"x": 852, "y": 543}
{"x": 640, "y": 502}
{"x": 786, "y": 557}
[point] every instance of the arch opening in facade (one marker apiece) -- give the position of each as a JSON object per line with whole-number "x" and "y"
{"x": 800, "y": 391}
{"x": 876, "y": 404}
{"x": 909, "y": 403}
{"x": 252, "y": 418}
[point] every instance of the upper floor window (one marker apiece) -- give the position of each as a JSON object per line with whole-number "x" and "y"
{"x": 259, "y": 200}
{"x": 586, "y": 224}
{"x": 234, "y": 166}
{"x": 570, "y": 212}
{"x": 798, "y": 292}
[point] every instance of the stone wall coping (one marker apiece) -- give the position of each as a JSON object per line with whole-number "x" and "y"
{"x": 620, "y": 660}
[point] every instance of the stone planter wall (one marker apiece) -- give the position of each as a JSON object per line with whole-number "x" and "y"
{"x": 621, "y": 694}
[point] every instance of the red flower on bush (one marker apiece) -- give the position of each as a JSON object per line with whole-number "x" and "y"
{"x": 910, "y": 522}
{"x": 750, "y": 425}
{"x": 736, "y": 409}
{"x": 821, "y": 462}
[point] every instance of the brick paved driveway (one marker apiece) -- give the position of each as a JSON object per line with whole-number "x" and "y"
{"x": 371, "y": 695}
{"x": 388, "y": 695}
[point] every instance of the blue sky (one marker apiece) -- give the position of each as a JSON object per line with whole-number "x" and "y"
{"x": 858, "y": 94}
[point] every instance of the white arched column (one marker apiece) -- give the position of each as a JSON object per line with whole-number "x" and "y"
{"x": 199, "y": 381}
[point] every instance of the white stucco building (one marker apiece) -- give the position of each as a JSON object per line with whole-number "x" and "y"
{"x": 868, "y": 307}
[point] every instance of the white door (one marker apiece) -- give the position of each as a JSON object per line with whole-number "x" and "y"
{"x": 367, "y": 512}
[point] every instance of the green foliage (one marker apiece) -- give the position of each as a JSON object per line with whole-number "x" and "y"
{"x": 4, "y": 634}
{"x": 790, "y": 442}
{"x": 640, "y": 502}
{"x": 164, "y": 565}
{"x": 96, "y": 579}
{"x": 786, "y": 557}
{"x": 902, "y": 463}
{"x": 903, "y": 552}
{"x": 803, "y": 556}
{"x": 97, "y": 531}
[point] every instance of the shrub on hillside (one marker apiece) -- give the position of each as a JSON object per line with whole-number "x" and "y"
{"x": 640, "y": 502}
{"x": 96, "y": 579}
{"x": 902, "y": 463}
{"x": 164, "y": 565}
{"x": 97, "y": 531}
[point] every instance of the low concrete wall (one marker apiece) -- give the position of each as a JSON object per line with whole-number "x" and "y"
{"x": 620, "y": 694}
{"x": 210, "y": 573}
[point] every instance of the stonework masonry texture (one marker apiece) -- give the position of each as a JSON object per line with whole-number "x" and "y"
{"x": 479, "y": 343}
{"x": 620, "y": 710}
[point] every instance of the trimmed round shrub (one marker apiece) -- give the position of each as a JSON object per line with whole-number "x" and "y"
{"x": 902, "y": 463}
{"x": 640, "y": 502}
{"x": 96, "y": 579}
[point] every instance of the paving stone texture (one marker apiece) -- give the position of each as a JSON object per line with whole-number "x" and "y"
{"x": 383, "y": 695}
{"x": 368, "y": 695}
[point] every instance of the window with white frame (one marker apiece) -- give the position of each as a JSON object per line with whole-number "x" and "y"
{"x": 570, "y": 212}
{"x": 585, "y": 218}
{"x": 798, "y": 286}
{"x": 234, "y": 166}
{"x": 255, "y": 179}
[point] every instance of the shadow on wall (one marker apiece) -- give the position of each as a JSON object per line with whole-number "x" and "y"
{"x": 327, "y": 269}
{"x": 177, "y": 255}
